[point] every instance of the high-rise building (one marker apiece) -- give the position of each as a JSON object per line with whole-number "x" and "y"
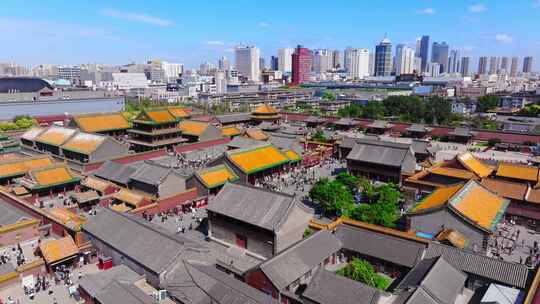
{"x": 247, "y": 62}
{"x": 434, "y": 69}
{"x": 371, "y": 64}
{"x": 358, "y": 63}
{"x": 453, "y": 62}
{"x": 514, "y": 66}
{"x": 322, "y": 60}
{"x": 439, "y": 54}
{"x": 285, "y": 59}
{"x": 383, "y": 58}
{"x": 482, "y": 65}
{"x": 274, "y": 63}
{"x": 503, "y": 69}
{"x": 262, "y": 64}
{"x": 224, "y": 64}
{"x": 71, "y": 73}
{"x": 527, "y": 64}
{"x": 464, "y": 68}
{"x": 423, "y": 52}
{"x": 404, "y": 60}
{"x": 337, "y": 59}
{"x": 347, "y": 57}
{"x": 417, "y": 66}
{"x": 220, "y": 81}
{"x": 172, "y": 71}
{"x": 301, "y": 65}
{"x": 493, "y": 65}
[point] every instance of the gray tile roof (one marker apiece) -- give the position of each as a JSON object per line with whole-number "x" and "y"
{"x": 379, "y": 124}
{"x": 420, "y": 146}
{"x": 118, "y": 173}
{"x": 418, "y": 128}
{"x": 300, "y": 258}
{"x": 234, "y": 118}
{"x": 94, "y": 283}
{"x": 382, "y": 246}
{"x": 329, "y": 288}
{"x": 460, "y": 131}
{"x": 418, "y": 296}
{"x": 512, "y": 274}
{"x": 151, "y": 173}
{"x": 380, "y": 152}
{"x": 141, "y": 241}
{"x": 441, "y": 280}
{"x": 345, "y": 122}
{"x": 348, "y": 142}
{"x": 118, "y": 292}
{"x": 10, "y": 215}
{"x": 240, "y": 142}
{"x": 286, "y": 142}
{"x": 256, "y": 206}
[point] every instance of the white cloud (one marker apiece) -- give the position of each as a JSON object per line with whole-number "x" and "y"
{"x": 478, "y": 8}
{"x": 263, "y": 24}
{"x": 427, "y": 11}
{"x": 129, "y": 16}
{"x": 504, "y": 38}
{"x": 214, "y": 42}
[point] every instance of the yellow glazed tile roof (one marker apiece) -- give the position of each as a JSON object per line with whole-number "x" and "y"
{"x": 85, "y": 143}
{"x": 129, "y": 197}
{"x": 292, "y": 156}
{"x": 52, "y": 175}
{"x": 470, "y": 162}
{"x": 55, "y": 136}
{"x": 438, "y": 198}
{"x": 230, "y": 131}
{"x": 454, "y": 237}
{"x": 22, "y": 166}
{"x": 458, "y": 173}
{"x": 160, "y": 116}
{"x": 523, "y": 172}
{"x": 95, "y": 183}
{"x": 257, "y": 159}
{"x": 57, "y": 250}
{"x": 178, "y": 112}
{"x": 191, "y": 127}
{"x": 101, "y": 122}
{"x": 120, "y": 208}
{"x": 265, "y": 109}
{"x": 65, "y": 216}
{"x": 217, "y": 176}
{"x": 479, "y": 205}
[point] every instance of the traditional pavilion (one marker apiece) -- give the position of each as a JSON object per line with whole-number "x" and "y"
{"x": 103, "y": 123}
{"x": 50, "y": 179}
{"x": 155, "y": 129}
{"x": 418, "y": 131}
{"x": 210, "y": 180}
{"x": 195, "y": 131}
{"x": 378, "y": 127}
{"x": 265, "y": 113}
{"x": 18, "y": 167}
{"x": 59, "y": 252}
{"x": 230, "y": 131}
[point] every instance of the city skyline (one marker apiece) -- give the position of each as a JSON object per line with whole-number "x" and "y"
{"x": 190, "y": 34}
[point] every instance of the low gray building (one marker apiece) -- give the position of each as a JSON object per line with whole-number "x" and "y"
{"x": 261, "y": 221}
{"x": 157, "y": 180}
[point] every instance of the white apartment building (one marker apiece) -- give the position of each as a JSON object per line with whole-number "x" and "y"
{"x": 322, "y": 61}
{"x": 404, "y": 60}
{"x": 128, "y": 81}
{"x": 171, "y": 70}
{"x": 247, "y": 62}
{"x": 285, "y": 60}
{"x": 358, "y": 63}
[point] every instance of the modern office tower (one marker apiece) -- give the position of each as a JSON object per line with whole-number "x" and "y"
{"x": 358, "y": 63}
{"x": 514, "y": 67}
{"x": 404, "y": 60}
{"x": 383, "y": 58}
{"x": 503, "y": 68}
{"x": 322, "y": 60}
{"x": 465, "y": 61}
{"x": 285, "y": 59}
{"x": 172, "y": 71}
{"x": 71, "y": 73}
{"x": 220, "y": 80}
{"x": 527, "y": 64}
{"x": 262, "y": 64}
{"x": 347, "y": 57}
{"x": 247, "y": 62}
{"x": 417, "y": 47}
{"x": 301, "y": 65}
{"x": 371, "y": 64}
{"x": 423, "y": 53}
{"x": 206, "y": 68}
{"x": 417, "y": 65}
{"x": 482, "y": 65}
{"x": 439, "y": 54}
{"x": 224, "y": 64}
{"x": 493, "y": 65}
{"x": 453, "y": 62}
{"x": 434, "y": 69}
{"x": 337, "y": 59}
{"x": 274, "y": 63}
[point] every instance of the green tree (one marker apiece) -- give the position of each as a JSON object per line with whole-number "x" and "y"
{"x": 349, "y": 180}
{"x": 487, "y": 102}
{"x": 438, "y": 109}
{"x": 319, "y": 136}
{"x": 384, "y": 212}
{"x": 333, "y": 197}
{"x": 352, "y": 110}
{"x": 373, "y": 110}
{"x": 330, "y": 96}
{"x": 362, "y": 271}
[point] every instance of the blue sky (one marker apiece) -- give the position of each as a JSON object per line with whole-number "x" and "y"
{"x": 190, "y": 32}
